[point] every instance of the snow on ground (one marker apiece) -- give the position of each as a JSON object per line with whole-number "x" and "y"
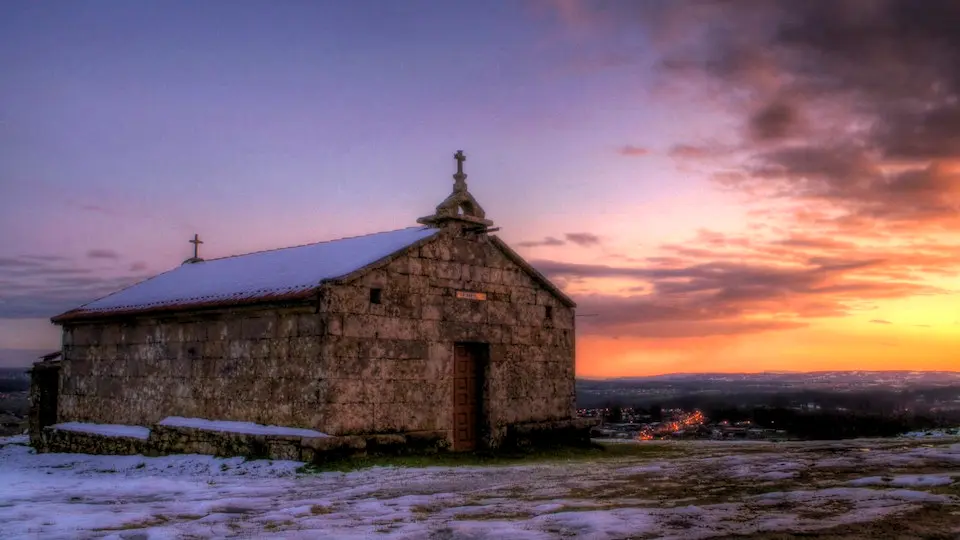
{"x": 248, "y": 428}
{"x": 677, "y": 490}
{"x": 907, "y": 480}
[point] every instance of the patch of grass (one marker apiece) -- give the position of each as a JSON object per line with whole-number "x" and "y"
{"x": 469, "y": 459}
{"x": 678, "y": 522}
{"x": 143, "y": 524}
{"x": 930, "y": 522}
{"x": 493, "y": 516}
{"x": 277, "y": 525}
{"x": 423, "y": 511}
{"x": 319, "y": 510}
{"x": 949, "y": 489}
{"x": 826, "y": 509}
{"x": 688, "y": 489}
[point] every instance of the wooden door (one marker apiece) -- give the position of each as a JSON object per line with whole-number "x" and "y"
{"x": 466, "y": 401}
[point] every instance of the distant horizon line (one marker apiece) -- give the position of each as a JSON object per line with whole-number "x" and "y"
{"x": 768, "y": 372}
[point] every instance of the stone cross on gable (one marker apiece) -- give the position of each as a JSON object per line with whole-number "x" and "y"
{"x": 459, "y": 209}
{"x": 460, "y": 179}
{"x": 196, "y": 245}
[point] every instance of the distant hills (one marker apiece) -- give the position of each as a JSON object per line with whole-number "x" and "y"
{"x": 801, "y": 378}
{"x": 939, "y": 389}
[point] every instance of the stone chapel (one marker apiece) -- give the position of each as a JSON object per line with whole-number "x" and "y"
{"x": 438, "y": 332}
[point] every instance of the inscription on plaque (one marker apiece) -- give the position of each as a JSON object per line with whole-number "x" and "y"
{"x": 472, "y": 295}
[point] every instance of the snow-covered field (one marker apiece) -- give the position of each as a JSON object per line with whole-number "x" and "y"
{"x": 676, "y": 490}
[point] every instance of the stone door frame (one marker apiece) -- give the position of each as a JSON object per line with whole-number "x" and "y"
{"x": 470, "y": 360}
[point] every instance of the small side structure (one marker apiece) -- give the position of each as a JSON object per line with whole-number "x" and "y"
{"x": 438, "y": 336}
{"x": 44, "y": 388}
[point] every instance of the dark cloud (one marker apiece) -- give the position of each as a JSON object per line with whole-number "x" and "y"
{"x": 98, "y": 209}
{"x": 846, "y": 129}
{"x": 583, "y": 239}
{"x": 822, "y": 243}
{"x": 49, "y": 299}
{"x": 50, "y": 285}
{"x": 774, "y": 120}
{"x": 632, "y": 151}
{"x": 548, "y": 241}
{"x": 883, "y": 78}
{"x": 19, "y": 262}
{"x": 44, "y": 258}
{"x": 138, "y": 266}
{"x": 42, "y": 270}
{"x": 880, "y": 321}
{"x": 652, "y": 317}
{"x": 754, "y": 288}
{"x": 850, "y": 104}
{"x": 689, "y": 151}
{"x": 102, "y": 254}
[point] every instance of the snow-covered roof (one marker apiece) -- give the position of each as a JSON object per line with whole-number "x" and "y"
{"x": 279, "y": 273}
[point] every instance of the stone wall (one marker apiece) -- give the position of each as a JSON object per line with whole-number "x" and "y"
{"x": 339, "y": 364}
{"x": 246, "y": 365}
{"x": 399, "y": 353}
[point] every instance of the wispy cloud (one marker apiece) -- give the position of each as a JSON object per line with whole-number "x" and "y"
{"x": 583, "y": 239}
{"x": 39, "y": 286}
{"x": 632, "y": 151}
{"x": 721, "y": 284}
{"x": 548, "y": 241}
{"x": 880, "y": 321}
{"x": 102, "y": 254}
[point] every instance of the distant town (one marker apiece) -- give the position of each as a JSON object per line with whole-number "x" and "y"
{"x": 674, "y": 424}
{"x": 835, "y": 405}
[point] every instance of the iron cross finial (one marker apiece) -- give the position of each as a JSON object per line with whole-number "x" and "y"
{"x": 460, "y": 157}
{"x": 196, "y": 245}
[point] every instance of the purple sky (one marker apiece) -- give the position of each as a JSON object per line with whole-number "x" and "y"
{"x": 126, "y": 127}
{"x": 767, "y": 185}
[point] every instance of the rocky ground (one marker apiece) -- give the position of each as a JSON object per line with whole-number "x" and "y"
{"x": 685, "y": 489}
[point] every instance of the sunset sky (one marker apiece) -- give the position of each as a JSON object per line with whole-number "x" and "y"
{"x": 744, "y": 185}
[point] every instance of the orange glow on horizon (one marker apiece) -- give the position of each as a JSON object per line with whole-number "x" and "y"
{"x": 872, "y": 347}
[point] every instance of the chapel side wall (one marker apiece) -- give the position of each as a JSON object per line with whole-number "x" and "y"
{"x": 244, "y": 365}
{"x": 400, "y": 352}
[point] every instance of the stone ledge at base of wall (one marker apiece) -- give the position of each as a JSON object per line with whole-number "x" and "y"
{"x": 76, "y": 442}
{"x": 166, "y": 440}
{"x": 570, "y": 432}
{"x": 185, "y": 440}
